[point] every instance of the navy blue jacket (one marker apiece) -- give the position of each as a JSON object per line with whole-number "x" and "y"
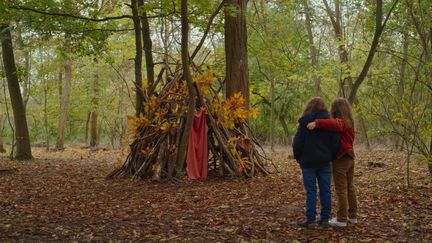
{"x": 316, "y": 148}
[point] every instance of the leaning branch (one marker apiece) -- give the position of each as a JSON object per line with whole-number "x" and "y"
{"x": 206, "y": 31}
{"x": 379, "y": 28}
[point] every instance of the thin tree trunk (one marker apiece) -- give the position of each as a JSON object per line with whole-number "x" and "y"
{"x": 27, "y": 78}
{"x": 345, "y": 83}
{"x": 138, "y": 57}
{"x": 46, "y": 125}
{"x": 401, "y": 84}
{"x": 23, "y": 151}
{"x": 148, "y": 45}
{"x": 122, "y": 109}
{"x": 64, "y": 106}
{"x": 86, "y": 132}
{"x": 285, "y": 128}
{"x": 312, "y": 50}
{"x": 45, "y": 90}
{"x": 430, "y": 158}
{"x": 237, "y": 76}
{"x": 2, "y": 149}
{"x": 181, "y": 155}
{"x": 60, "y": 83}
{"x": 379, "y": 28}
{"x": 94, "y": 113}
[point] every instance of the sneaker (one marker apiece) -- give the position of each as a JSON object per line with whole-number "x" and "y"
{"x": 352, "y": 221}
{"x": 335, "y": 223}
{"x": 309, "y": 225}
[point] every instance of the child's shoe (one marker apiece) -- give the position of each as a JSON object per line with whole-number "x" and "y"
{"x": 352, "y": 221}
{"x": 323, "y": 223}
{"x": 335, "y": 223}
{"x": 309, "y": 225}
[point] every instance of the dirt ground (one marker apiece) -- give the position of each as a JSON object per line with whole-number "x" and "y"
{"x": 63, "y": 196}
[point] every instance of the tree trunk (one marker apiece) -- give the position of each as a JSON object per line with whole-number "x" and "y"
{"x": 237, "y": 76}
{"x": 23, "y": 151}
{"x": 285, "y": 128}
{"x": 345, "y": 83}
{"x": 45, "y": 90}
{"x": 27, "y": 81}
{"x": 93, "y": 130}
{"x": 430, "y": 158}
{"x": 122, "y": 108}
{"x": 64, "y": 105}
{"x": 181, "y": 155}
{"x": 2, "y": 149}
{"x": 46, "y": 125}
{"x": 148, "y": 45}
{"x": 379, "y": 28}
{"x": 401, "y": 84}
{"x": 138, "y": 57}
{"x": 60, "y": 83}
{"x": 312, "y": 50}
{"x": 94, "y": 113}
{"x": 87, "y": 128}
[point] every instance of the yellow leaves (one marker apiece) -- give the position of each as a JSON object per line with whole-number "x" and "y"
{"x": 137, "y": 122}
{"x": 253, "y": 112}
{"x": 233, "y": 111}
{"x": 205, "y": 80}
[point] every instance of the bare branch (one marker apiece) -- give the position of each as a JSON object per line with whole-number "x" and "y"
{"x": 70, "y": 15}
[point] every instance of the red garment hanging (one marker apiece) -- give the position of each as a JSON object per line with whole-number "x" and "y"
{"x": 197, "y": 154}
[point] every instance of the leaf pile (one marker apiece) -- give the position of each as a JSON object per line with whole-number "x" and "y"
{"x": 64, "y": 197}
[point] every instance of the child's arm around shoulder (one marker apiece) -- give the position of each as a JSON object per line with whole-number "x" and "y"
{"x": 334, "y": 125}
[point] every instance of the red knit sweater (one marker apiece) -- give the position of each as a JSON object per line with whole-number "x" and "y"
{"x": 347, "y": 134}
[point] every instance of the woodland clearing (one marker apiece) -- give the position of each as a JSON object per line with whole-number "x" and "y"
{"x": 64, "y": 196}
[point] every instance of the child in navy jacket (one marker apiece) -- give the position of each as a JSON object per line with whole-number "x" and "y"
{"x": 314, "y": 150}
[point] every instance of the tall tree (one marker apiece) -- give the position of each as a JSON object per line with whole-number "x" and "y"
{"x": 345, "y": 83}
{"x": 379, "y": 28}
{"x": 94, "y": 111}
{"x": 64, "y": 103}
{"x": 237, "y": 74}
{"x": 312, "y": 49}
{"x": 23, "y": 151}
{"x": 138, "y": 57}
{"x": 147, "y": 44}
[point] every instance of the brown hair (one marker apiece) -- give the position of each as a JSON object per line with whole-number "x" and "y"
{"x": 341, "y": 109}
{"x": 315, "y": 104}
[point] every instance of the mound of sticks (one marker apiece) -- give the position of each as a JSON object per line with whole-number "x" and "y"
{"x": 233, "y": 150}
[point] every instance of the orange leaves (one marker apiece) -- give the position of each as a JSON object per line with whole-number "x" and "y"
{"x": 205, "y": 80}
{"x": 137, "y": 122}
{"x": 233, "y": 111}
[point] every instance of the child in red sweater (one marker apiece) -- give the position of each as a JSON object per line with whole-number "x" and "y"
{"x": 343, "y": 167}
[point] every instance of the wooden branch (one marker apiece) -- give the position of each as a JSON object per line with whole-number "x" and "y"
{"x": 379, "y": 29}
{"x": 206, "y": 31}
{"x": 221, "y": 141}
{"x": 19, "y": 7}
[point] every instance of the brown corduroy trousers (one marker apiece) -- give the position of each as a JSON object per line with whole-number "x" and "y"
{"x": 343, "y": 176}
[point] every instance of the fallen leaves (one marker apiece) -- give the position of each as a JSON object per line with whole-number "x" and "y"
{"x": 62, "y": 197}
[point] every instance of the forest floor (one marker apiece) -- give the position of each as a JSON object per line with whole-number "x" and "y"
{"x": 65, "y": 197}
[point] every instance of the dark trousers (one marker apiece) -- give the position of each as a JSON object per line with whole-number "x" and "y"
{"x": 310, "y": 178}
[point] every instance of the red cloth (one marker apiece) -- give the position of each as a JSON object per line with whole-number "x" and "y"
{"x": 197, "y": 154}
{"x": 347, "y": 134}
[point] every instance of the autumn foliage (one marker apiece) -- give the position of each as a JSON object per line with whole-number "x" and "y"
{"x": 156, "y": 133}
